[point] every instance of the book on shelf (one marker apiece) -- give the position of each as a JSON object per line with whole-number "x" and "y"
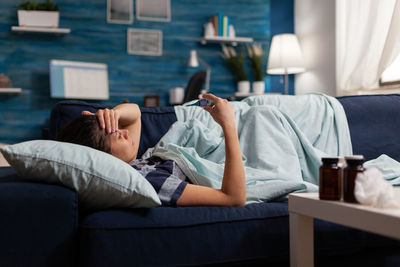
{"x": 228, "y": 23}
{"x": 214, "y": 21}
{"x": 221, "y": 24}
{"x": 224, "y": 26}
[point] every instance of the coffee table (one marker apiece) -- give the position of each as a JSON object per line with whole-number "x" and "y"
{"x": 304, "y": 207}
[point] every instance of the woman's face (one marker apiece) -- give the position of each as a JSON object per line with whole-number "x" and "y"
{"x": 123, "y": 146}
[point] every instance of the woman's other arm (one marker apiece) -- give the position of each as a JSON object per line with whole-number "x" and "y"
{"x": 233, "y": 189}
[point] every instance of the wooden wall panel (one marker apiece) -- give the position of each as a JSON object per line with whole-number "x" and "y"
{"x": 25, "y": 57}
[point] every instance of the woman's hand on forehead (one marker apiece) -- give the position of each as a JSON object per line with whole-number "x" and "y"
{"x": 107, "y": 118}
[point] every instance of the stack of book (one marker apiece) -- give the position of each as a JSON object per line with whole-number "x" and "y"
{"x": 221, "y": 25}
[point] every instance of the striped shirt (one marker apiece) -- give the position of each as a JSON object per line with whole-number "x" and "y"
{"x": 165, "y": 176}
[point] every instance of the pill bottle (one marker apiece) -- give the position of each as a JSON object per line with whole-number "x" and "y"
{"x": 354, "y": 167}
{"x": 330, "y": 179}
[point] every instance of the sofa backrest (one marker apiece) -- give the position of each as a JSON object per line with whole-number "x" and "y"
{"x": 155, "y": 120}
{"x": 374, "y": 122}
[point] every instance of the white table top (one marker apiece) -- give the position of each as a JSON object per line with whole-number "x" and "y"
{"x": 380, "y": 221}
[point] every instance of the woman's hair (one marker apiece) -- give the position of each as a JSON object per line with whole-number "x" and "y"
{"x": 85, "y": 130}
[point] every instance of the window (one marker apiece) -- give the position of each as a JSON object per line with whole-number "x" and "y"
{"x": 391, "y": 76}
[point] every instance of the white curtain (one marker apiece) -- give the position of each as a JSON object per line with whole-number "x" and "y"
{"x": 367, "y": 42}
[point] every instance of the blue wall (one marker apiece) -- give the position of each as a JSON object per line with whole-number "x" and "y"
{"x": 25, "y": 57}
{"x": 282, "y": 21}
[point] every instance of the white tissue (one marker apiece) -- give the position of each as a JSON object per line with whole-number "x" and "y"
{"x": 371, "y": 189}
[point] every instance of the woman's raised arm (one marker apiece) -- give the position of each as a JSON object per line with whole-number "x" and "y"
{"x": 124, "y": 117}
{"x": 233, "y": 189}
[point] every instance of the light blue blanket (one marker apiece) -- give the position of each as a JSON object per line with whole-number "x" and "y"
{"x": 282, "y": 139}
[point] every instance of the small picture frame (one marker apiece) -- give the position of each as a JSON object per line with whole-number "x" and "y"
{"x": 153, "y": 10}
{"x": 144, "y": 42}
{"x": 120, "y": 11}
{"x": 151, "y": 101}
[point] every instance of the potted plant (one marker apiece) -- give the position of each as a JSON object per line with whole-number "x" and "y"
{"x": 234, "y": 60}
{"x": 34, "y": 14}
{"x": 257, "y": 57}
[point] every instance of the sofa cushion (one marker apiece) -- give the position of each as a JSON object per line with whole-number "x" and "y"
{"x": 101, "y": 180}
{"x": 183, "y": 236}
{"x": 374, "y": 124}
{"x": 155, "y": 120}
{"x": 39, "y": 222}
{"x": 166, "y": 236}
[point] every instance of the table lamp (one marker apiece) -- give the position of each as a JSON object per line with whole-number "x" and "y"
{"x": 285, "y": 57}
{"x": 194, "y": 62}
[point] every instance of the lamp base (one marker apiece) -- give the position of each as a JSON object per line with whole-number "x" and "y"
{"x": 286, "y": 83}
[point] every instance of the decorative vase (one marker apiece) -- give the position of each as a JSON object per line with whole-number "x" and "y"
{"x": 244, "y": 86}
{"x": 258, "y": 87}
{"x": 38, "y": 18}
{"x": 4, "y": 81}
{"x": 209, "y": 30}
{"x": 232, "y": 33}
{"x": 176, "y": 95}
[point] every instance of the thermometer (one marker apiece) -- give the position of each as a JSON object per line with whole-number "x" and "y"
{"x": 202, "y": 102}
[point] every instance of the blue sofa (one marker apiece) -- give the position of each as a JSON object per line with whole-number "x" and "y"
{"x": 43, "y": 225}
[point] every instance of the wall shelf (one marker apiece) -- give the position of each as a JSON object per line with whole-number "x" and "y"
{"x": 40, "y": 29}
{"x": 10, "y": 90}
{"x": 219, "y": 39}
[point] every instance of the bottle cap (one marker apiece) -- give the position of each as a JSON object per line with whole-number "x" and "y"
{"x": 330, "y": 160}
{"x": 355, "y": 160}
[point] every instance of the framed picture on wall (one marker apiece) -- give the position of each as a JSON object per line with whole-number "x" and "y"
{"x": 78, "y": 80}
{"x": 151, "y": 101}
{"x": 153, "y": 10}
{"x": 144, "y": 42}
{"x": 120, "y": 11}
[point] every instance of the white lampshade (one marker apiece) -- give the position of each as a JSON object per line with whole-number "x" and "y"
{"x": 285, "y": 55}
{"x": 193, "y": 60}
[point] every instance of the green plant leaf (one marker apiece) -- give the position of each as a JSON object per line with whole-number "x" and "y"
{"x": 234, "y": 60}
{"x": 34, "y": 5}
{"x": 257, "y": 59}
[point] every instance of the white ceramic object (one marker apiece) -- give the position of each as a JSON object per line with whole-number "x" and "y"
{"x": 38, "y": 18}
{"x": 3, "y": 161}
{"x": 232, "y": 33}
{"x": 209, "y": 30}
{"x": 176, "y": 95}
{"x": 258, "y": 87}
{"x": 244, "y": 86}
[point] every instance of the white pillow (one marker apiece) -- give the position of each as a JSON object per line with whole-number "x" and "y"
{"x": 101, "y": 180}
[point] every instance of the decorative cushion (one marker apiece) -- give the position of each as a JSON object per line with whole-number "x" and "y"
{"x": 101, "y": 180}
{"x": 3, "y": 162}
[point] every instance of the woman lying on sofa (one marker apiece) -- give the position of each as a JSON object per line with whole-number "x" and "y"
{"x": 117, "y": 131}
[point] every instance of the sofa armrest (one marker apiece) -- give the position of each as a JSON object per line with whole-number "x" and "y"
{"x": 38, "y": 223}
